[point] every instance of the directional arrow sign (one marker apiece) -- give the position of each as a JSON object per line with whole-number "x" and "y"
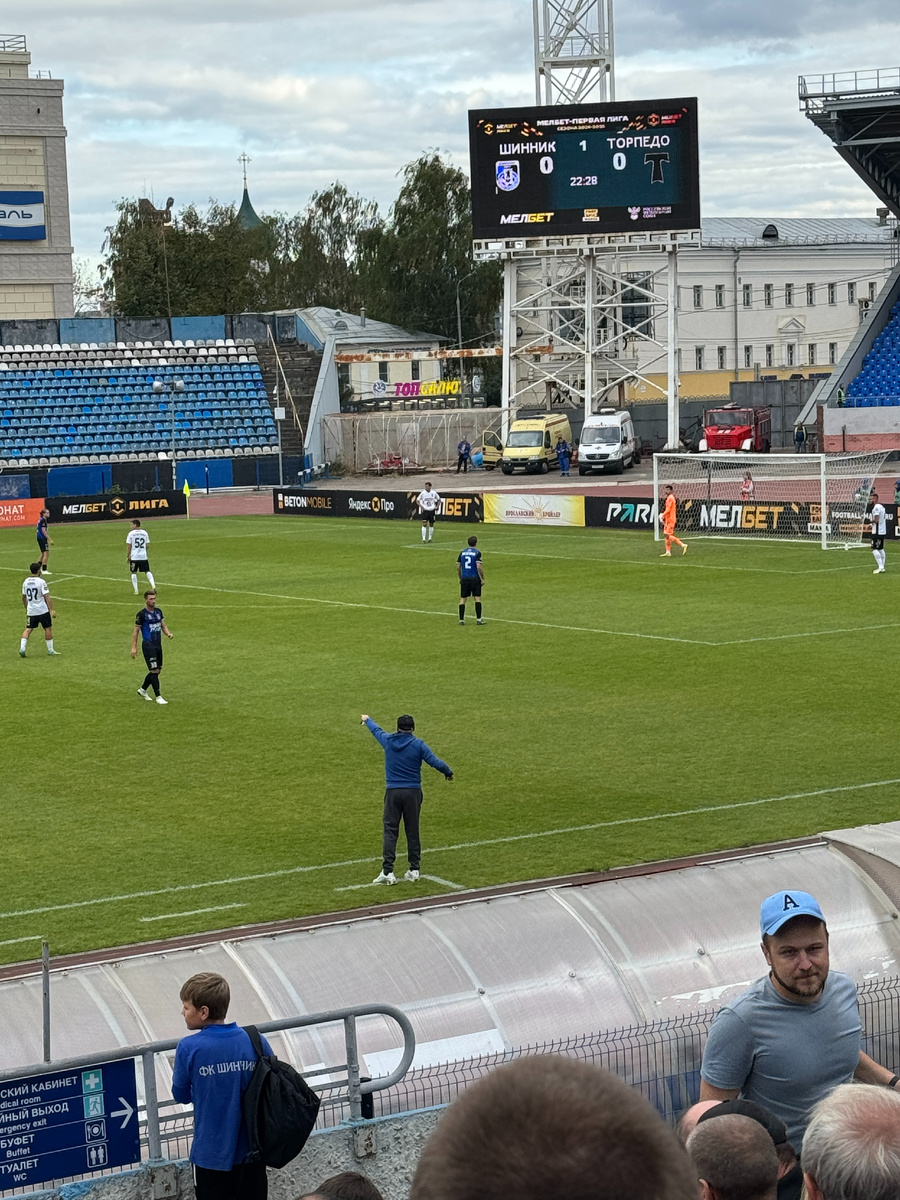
{"x": 127, "y": 1112}
{"x": 57, "y": 1125}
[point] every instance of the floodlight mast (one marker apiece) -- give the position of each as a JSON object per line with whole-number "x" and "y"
{"x": 573, "y": 51}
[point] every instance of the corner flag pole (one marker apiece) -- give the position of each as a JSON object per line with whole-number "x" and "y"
{"x": 187, "y": 496}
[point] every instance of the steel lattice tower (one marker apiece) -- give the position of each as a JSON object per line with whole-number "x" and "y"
{"x": 573, "y": 51}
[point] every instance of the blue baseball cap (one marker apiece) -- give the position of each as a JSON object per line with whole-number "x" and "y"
{"x": 777, "y": 910}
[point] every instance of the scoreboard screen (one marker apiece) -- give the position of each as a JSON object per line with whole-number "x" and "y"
{"x": 585, "y": 168}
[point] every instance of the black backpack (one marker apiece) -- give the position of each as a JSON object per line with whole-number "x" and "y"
{"x": 280, "y": 1108}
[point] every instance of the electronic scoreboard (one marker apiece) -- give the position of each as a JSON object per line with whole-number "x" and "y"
{"x": 584, "y": 168}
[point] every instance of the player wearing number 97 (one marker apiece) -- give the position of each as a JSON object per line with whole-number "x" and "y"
{"x": 38, "y": 609}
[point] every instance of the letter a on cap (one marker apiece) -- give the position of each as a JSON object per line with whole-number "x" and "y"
{"x": 789, "y": 902}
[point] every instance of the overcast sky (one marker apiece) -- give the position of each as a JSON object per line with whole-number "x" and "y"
{"x": 162, "y": 97}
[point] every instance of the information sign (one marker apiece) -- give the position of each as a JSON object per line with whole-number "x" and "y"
{"x": 68, "y": 1123}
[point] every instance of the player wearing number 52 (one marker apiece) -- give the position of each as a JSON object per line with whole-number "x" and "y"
{"x": 137, "y": 554}
{"x": 403, "y": 758}
{"x": 38, "y": 609}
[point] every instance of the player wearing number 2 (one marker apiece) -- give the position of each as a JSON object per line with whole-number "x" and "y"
{"x": 38, "y": 609}
{"x": 668, "y": 518}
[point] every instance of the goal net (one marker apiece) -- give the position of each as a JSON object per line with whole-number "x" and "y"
{"x": 804, "y": 497}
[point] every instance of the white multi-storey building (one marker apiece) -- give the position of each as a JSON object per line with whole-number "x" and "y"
{"x": 777, "y": 298}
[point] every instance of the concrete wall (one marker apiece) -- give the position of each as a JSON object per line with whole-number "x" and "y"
{"x": 35, "y": 276}
{"x": 860, "y": 429}
{"x": 386, "y": 1150}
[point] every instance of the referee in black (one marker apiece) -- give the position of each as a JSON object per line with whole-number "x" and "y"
{"x": 403, "y": 757}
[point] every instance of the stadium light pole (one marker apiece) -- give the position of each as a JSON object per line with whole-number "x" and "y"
{"x": 459, "y": 324}
{"x": 176, "y": 387}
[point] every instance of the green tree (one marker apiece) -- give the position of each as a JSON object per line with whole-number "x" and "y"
{"x": 318, "y": 251}
{"x": 412, "y": 265}
{"x": 202, "y": 263}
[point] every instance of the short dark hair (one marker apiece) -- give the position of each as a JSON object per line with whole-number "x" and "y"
{"x": 736, "y": 1157}
{"x": 210, "y": 990}
{"x": 406, "y": 723}
{"x": 35, "y": 568}
{"x": 552, "y": 1126}
{"x": 473, "y": 540}
{"x": 791, "y": 925}
{"x": 149, "y": 592}
{"x": 349, "y": 1185}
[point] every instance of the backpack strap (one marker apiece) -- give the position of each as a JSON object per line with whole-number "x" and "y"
{"x": 255, "y": 1040}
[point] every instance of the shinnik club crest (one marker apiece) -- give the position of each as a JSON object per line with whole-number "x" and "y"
{"x": 508, "y": 175}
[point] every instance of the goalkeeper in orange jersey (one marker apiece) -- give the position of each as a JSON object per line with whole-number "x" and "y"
{"x": 668, "y": 518}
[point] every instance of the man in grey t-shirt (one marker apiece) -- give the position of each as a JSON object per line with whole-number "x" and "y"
{"x": 795, "y": 1034}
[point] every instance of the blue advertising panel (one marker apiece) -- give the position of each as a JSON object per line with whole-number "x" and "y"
{"x": 22, "y": 217}
{"x": 68, "y": 1123}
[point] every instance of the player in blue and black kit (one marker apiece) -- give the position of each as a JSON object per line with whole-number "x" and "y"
{"x": 471, "y": 577}
{"x": 44, "y": 539}
{"x": 151, "y": 625}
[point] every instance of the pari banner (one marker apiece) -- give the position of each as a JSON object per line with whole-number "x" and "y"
{"x": 22, "y": 217}
{"x": 620, "y": 512}
{"x": 518, "y": 508}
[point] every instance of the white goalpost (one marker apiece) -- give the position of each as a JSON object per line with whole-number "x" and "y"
{"x": 805, "y": 497}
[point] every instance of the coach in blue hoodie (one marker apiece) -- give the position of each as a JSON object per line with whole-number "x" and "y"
{"x": 403, "y": 758}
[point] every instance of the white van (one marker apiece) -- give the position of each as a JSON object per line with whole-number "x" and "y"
{"x": 608, "y": 442}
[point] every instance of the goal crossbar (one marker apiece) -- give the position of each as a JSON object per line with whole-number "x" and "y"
{"x": 805, "y": 497}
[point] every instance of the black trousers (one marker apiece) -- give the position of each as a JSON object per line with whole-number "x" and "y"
{"x": 246, "y": 1181}
{"x": 463, "y": 461}
{"x": 402, "y": 804}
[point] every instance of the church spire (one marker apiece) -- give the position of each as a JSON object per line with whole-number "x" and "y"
{"x": 246, "y": 215}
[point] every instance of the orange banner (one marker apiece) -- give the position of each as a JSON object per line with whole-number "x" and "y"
{"x": 19, "y": 512}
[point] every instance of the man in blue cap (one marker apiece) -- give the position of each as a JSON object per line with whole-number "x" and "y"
{"x": 795, "y": 1034}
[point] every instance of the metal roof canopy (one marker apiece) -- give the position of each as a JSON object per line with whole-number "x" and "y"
{"x": 860, "y": 112}
{"x": 503, "y": 972}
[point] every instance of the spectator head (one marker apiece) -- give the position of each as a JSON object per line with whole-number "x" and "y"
{"x": 734, "y": 1158}
{"x": 207, "y": 990}
{"x": 349, "y": 1185}
{"x": 688, "y": 1121}
{"x": 795, "y": 944}
{"x": 547, "y": 1126}
{"x": 405, "y": 724}
{"x": 777, "y": 1130}
{"x": 851, "y": 1149}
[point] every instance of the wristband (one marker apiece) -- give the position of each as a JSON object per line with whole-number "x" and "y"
{"x": 895, "y": 1079}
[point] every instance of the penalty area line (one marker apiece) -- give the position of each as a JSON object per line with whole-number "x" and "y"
{"x": 498, "y": 841}
{"x": 193, "y": 912}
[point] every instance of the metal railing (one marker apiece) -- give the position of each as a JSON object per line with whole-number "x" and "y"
{"x": 814, "y": 88}
{"x": 279, "y": 371}
{"x": 173, "y": 1128}
{"x": 12, "y": 43}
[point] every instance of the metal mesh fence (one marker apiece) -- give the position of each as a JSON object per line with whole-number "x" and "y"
{"x": 404, "y": 441}
{"x": 661, "y": 1060}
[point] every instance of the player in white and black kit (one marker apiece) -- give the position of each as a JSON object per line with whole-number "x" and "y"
{"x": 429, "y": 503}
{"x": 137, "y": 543}
{"x": 878, "y": 522}
{"x": 38, "y": 609}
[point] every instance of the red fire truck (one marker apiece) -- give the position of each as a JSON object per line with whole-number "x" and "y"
{"x": 735, "y": 427}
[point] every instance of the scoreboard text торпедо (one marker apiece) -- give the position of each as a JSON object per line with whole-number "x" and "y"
{"x": 568, "y": 170}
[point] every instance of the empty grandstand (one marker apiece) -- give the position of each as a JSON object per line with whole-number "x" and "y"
{"x": 878, "y": 383}
{"x": 65, "y": 404}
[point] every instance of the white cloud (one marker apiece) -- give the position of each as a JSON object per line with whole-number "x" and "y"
{"x": 161, "y": 99}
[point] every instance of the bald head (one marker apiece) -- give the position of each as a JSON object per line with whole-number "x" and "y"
{"x": 689, "y": 1119}
{"x": 548, "y": 1126}
{"x": 735, "y": 1159}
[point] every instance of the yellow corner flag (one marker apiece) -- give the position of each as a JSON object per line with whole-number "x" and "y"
{"x": 187, "y": 496}
{"x": 186, "y": 489}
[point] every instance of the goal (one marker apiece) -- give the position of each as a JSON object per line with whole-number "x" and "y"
{"x": 804, "y": 497}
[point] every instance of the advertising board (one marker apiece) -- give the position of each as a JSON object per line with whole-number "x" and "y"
{"x": 116, "y": 507}
{"x": 516, "y": 508}
{"x": 625, "y": 166}
{"x": 619, "y": 512}
{"x": 398, "y": 506}
{"x": 19, "y": 512}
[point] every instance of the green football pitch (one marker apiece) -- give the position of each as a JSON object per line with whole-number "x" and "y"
{"x": 615, "y": 708}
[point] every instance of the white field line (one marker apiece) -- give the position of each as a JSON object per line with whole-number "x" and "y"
{"x": 359, "y": 887}
{"x": 193, "y": 912}
{"x": 692, "y": 563}
{"x": 36, "y": 937}
{"x": 430, "y": 612}
{"x": 498, "y": 841}
{"x": 448, "y": 883}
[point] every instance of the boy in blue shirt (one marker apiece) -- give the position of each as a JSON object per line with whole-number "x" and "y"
{"x": 212, "y": 1071}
